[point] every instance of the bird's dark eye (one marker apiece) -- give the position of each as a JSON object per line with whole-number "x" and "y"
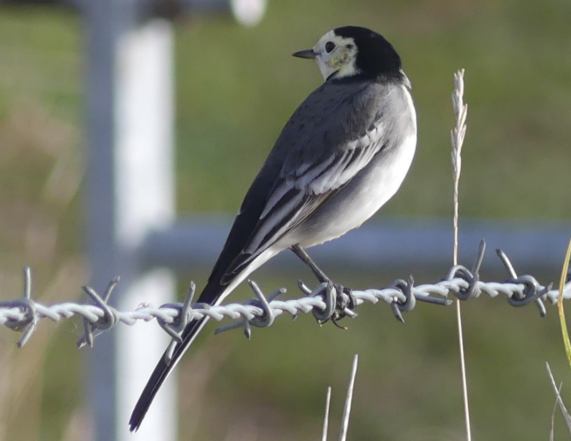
{"x": 329, "y": 46}
{"x": 350, "y": 46}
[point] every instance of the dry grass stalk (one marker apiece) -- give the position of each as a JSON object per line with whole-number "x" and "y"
{"x": 457, "y": 135}
{"x": 346, "y": 410}
{"x": 558, "y": 398}
{"x": 560, "y": 309}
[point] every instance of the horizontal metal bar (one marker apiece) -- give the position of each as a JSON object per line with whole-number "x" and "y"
{"x": 394, "y": 243}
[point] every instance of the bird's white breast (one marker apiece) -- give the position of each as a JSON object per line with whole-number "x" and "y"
{"x": 383, "y": 181}
{"x": 388, "y": 173}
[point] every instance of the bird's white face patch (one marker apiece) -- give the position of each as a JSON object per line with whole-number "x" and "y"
{"x": 336, "y": 56}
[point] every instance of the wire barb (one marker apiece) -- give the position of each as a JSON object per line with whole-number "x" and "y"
{"x": 107, "y": 320}
{"x": 399, "y": 306}
{"x": 28, "y": 326}
{"x": 472, "y": 278}
{"x": 178, "y": 324}
{"x": 267, "y": 318}
{"x": 532, "y": 291}
{"x": 328, "y": 294}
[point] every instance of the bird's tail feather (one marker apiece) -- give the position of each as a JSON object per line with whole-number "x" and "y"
{"x": 161, "y": 372}
{"x": 164, "y": 367}
{"x": 213, "y": 293}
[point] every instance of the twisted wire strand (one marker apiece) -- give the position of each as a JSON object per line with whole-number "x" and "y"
{"x": 23, "y": 315}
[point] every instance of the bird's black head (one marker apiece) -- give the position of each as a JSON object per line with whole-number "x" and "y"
{"x": 354, "y": 52}
{"x": 375, "y": 55}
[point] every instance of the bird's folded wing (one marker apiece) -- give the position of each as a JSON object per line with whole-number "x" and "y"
{"x": 303, "y": 186}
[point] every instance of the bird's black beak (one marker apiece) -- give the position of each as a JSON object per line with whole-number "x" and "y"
{"x": 306, "y": 53}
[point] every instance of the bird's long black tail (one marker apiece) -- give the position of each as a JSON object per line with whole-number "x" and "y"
{"x": 166, "y": 365}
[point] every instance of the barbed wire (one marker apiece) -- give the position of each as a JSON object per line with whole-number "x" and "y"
{"x": 324, "y": 302}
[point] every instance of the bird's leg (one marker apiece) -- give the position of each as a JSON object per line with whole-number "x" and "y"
{"x": 302, "y": 254}
{"x": 343, "y": 303}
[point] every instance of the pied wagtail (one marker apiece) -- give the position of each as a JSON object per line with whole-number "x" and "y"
{"x": 344, "y": 153}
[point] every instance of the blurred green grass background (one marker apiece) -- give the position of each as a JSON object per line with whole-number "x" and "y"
{"x": 235, "y": 89}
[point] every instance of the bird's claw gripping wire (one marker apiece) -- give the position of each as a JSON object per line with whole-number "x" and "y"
{"x": 338, "y": 299}
{"x": 532, "y": 289}
{"x": 344, "y": 305}
{"x": 107, "y": 321}
{"x": 399, "y": 306}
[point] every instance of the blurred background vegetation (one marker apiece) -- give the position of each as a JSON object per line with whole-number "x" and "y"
{"x": 235, "y": 89}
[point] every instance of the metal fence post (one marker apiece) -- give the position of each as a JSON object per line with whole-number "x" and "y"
{"x": 129, "y": 191}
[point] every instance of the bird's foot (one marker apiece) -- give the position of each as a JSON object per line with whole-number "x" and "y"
{"x": 338, "y": 299}
{"x": 344, "y": 305}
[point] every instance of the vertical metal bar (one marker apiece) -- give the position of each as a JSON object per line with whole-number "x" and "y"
{"x": 129, "y": 191}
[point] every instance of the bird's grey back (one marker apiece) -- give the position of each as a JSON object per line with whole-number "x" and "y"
{"x": 334, "y": 115}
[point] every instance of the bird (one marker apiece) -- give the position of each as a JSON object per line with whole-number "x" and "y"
{"x": 340, "y": 157}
